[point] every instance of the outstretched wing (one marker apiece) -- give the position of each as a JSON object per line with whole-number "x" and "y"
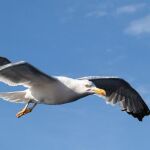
{"x": 120, "y": 91}
{"x": 23, "y": 73}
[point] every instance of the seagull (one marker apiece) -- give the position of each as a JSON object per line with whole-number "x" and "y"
{"x": 54, "y": 90}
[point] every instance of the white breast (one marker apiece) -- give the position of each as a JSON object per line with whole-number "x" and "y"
{"x": 55, "y": 93}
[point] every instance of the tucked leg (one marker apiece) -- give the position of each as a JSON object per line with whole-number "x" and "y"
{"x": 25, "y": 110}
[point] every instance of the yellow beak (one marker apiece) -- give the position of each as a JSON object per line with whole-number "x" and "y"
{"x": 99, "y": 91}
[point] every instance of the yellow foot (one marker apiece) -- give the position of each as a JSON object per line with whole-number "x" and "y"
{"x": 23, "y": 112}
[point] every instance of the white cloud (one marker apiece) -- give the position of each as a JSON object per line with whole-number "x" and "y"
{"x": 111, "y": 10}
{"x": 130, "y": 8}
{"x": 140, "y": 26}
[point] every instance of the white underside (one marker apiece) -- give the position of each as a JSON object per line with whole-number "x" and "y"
{"x": 51, "y": 94}
{"x": 65, "y": 90}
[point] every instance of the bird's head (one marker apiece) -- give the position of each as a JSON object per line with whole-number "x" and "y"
{"x": 90, "y": 88}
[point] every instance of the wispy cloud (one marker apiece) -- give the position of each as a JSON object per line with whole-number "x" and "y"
{"x": 96, "y": 13}
{"x": 128, "y": 9}
{"x": 140, "y": 26}
{"x": 113, "y": 11}
{"x": 100, "y": 10}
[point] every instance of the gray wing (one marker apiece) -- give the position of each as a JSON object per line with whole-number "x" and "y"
{"x": 23, "y": 73}
{"x": 120, "y": 91}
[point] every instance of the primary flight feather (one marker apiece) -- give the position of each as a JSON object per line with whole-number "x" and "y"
{"x": 42, "y": 88}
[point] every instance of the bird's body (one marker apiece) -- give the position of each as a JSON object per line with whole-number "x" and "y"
{"x": 54, "y": 90}
{"x": 64, "y": 90}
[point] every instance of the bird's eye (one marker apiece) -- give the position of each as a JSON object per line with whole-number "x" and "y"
{"x": 87, "y": 85}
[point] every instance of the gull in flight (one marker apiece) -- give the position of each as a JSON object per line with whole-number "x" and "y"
{"x": 52, "y": 90}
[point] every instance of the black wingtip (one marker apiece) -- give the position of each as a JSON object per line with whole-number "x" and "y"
{"x": 141, "y": 115}
{"x": 4, "y": 61}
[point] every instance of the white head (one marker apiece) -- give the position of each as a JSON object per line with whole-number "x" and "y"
{"x": 81, "y": 86}
{"x": 86, "y": 86}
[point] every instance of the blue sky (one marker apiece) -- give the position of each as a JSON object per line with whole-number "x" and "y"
{"x": 77, "y": 38}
